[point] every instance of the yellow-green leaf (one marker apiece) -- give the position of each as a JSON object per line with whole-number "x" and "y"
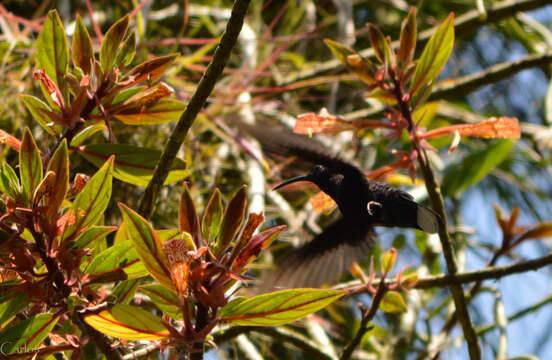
{"x": 30, "y": 166}
{"x": 59, "y": 164}
{"x": 392, "y": 302}
{"x": 27, "y": 334}
{"x": 111, "y": 43}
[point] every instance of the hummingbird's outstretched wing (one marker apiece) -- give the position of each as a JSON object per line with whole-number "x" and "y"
{"x": 323, "y": 260}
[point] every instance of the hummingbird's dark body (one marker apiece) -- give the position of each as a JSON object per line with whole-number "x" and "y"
{"x": 364, "y": 203}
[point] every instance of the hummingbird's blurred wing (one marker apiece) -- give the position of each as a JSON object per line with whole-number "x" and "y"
{"x": 323, "y": 260}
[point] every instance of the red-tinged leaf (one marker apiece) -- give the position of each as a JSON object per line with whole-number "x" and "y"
{"x": 176, "y": 253}
{"x": 52, "y": 93}
{"x": 142, "y": 99}
{"x": 45, "y": 187}
{"x": 187, "y": 216}
{"x": 433, "y": 58}
{"x": 83, "y": 54}
{"x": 10, "y": 140}
{"x": 257, "y": 243}
{"x": 541, "y": 230}
{"x": 124, "y": 291}
{"x": 91, "y": 202}
{"x": 133, "y": 165}
{"x": 161, "y": 111}
{"x": 11, "y": 304}
{"x": 253, "y": 221}
{"x": 388, "y": 261}
{"x": 127, "y": 51}
{"x": 311, "y": 123}
{"x": 92, "y": 234}
{"x": 322, "y": 203}
{"x": 212, "y": 217}
{"x": 27, "y": 334}
{"x": 111, "y": 43}
{"x": 120, "y": 257}
{"x": 166, "y": 300}
{"x": 59, "y": 164}
{"x": 232, "y": 220}
{"x": 277, "y": 308}
{"x": 392, "y": 302}
{"x": 30, "y": 166}
{"x": 128, "y": 322}
{"x": 502, "y": 127}
{"x": 9, "y": 182}
{"x": 362, "y": 68}
{"x": 151, "y": 70}
{"x": 148, "y": 245}
{"x": 86, "y": 133}
{"x": 52, "y": 50}
{"x": 380, "y": 44}
{"x": 40, "y": 112}
{"x": 408, "y": 38}
{"x": 112, "y": 102}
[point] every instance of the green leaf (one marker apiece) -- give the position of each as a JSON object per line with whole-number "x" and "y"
{"x": 52, "y": 51}
{"x": 277, "y": 308}
{"x": 28, "y": 334}
{"x": 380, "y": 44}
{"x": 10, "y": 305}
{"x": 91, "y": 202}
{"x": 362, "y": 68}
{"x": 86, "y": 133}
{"x": 92, "y": 234}
{"x": 433, "y": 58}
{"x": 148, "y": 245}
{"x": 128, "y": 322}
{"x": 165, "y": 299}
{"x": 153, "y": 69}
{"x": 30, "y": 166}
{"x": 232, "y": 220}
{"x": 83, "y": 54}
{"x": 39, "y": 111}
{"x": 392, "y": 302}
{"x": 475, "y": 167}
{"x": 125, "y": 290}
{"x": 212, "y": 217}
{"x": 121, "y": 257}
{"x": 59, "y": 164}
{"x": 111, "y": 43}
{"x": 161, "y": 111}
{"x": 122, "y": 96}
{"x": 409, "y": 33}
{"x": 127, "y": 51}
{"x": 133, "y": 165}
{"x": 9, "y": 182}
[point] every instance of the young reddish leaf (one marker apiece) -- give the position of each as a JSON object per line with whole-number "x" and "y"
{"x": 151, "y": 70}
{"x": 40, "y": 111}
{"x": 27, "y": 334}
{"x": 92, "y": 234}
{"x": 176, "y": 253}
{"x": 502, "y": 127}
{"x": 380, "y": 44}
{"x": 541, "y": 230}
{"x": 133, "y": 165}
{"x": 127, "y": 51}
{"x": 253, "y": 221}
{"x": 59, "y": 164}
{"x": 9, "y": 182}
{"x": 212, "y": 217}
{"x": 322, "y": 203}
{"x": 52, "y": 50}
{"x": 30, "y": 166}
{"x": 158, "y": 112}
{"x": 128, "y": 322}
{"x": 254, "y": 246}
{"x": 362, "y": 68}
{"x": 148, "y": 245}
{"x": 111, "y": 43}
{"x": 141, "y": 100}
{"x": 232, "y": 220}
{"x": 187, "y": 216}
{"x": 392, "y": 302}
{"x": 474, "y": 167}
{"x": 83, "y": 54}
{"x": 277, "y": 308}
{"x": 324, "y": 122}
{"x": 433, "y": 58}
{"x": 10, "y": 140}
{"x": 408, "y": 38}
{"x": 91, "y": 202}
{"x": 166, "y": 300}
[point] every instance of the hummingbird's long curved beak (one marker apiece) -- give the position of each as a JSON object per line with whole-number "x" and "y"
{"x": 295, "y": 179}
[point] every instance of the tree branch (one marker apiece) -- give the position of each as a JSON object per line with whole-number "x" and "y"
{"x": 204, "y": 88}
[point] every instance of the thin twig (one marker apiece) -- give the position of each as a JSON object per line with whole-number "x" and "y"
{"x": 204, "y": 88}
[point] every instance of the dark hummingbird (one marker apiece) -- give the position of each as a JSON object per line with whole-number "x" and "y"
{"x": 363, "y": 203}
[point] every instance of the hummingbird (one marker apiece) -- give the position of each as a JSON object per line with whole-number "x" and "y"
{"x": 363, "y": 203}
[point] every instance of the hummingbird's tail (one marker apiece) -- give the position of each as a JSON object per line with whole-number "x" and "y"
{"x": 428, "y": 220}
